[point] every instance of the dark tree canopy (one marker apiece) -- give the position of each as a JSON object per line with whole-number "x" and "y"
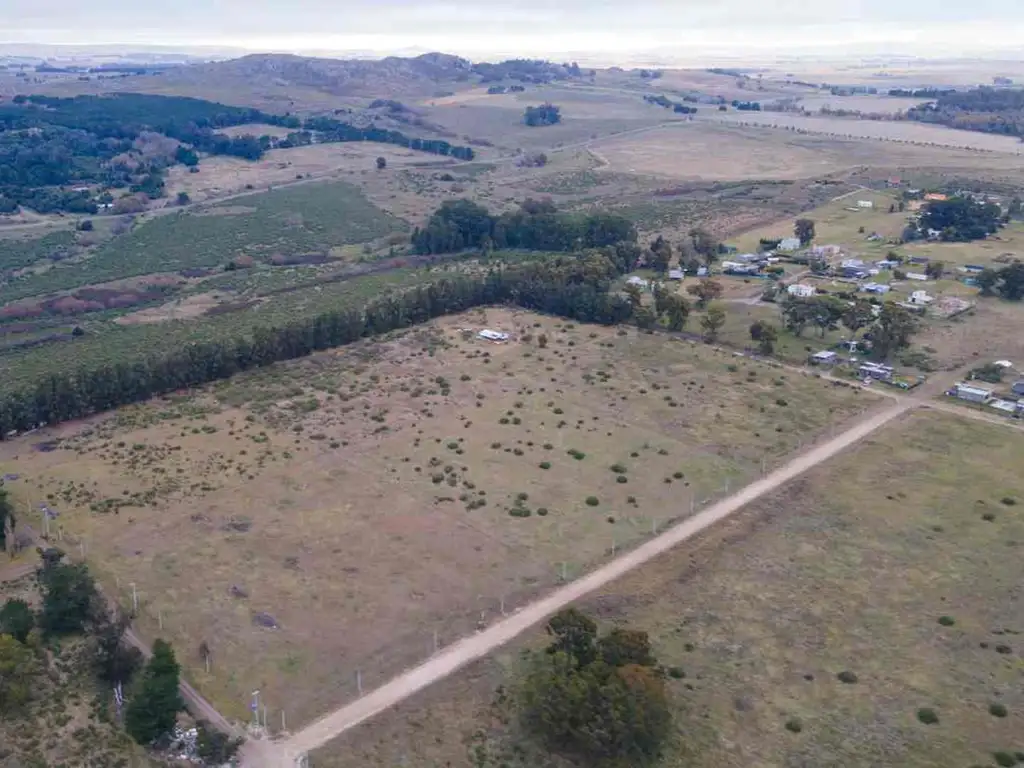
{"x": 961, "y": 218}
{"x": 69, "y": 598}
{"x": 545, "y": 114}
{"x": 155, "y": 702}
{"x": 17, "y": 619}
{"x": 991, "y": 110}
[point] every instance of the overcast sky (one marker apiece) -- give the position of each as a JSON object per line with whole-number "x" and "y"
{"x": 530, "y": 26}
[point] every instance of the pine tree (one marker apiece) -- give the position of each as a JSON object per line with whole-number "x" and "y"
{"x": 156, "y": 702}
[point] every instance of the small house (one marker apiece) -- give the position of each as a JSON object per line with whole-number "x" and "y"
{"x": 876, "y": 371}
{"x": 934, "y": 234}
{"x": 972, "y": 269}
{"x": 749, "y": 258}
{"x": 920, "y": 298}
{"x": 789, "y": 244}
{"x": 920, "y": 276}
{"x": 825, "y": 357}
{"x": 865, "y": 204}
{"x": 971, "y": 393}
{"x": 918, "y": 260}
{"x": 801, "y": 291}
{"x": 886, "y": 264}
{"x": 488, "y": 335}
{"x": 1018, "y": 388}
{"x": 934, "y": 197}
{"x": 702, "y": 272}
{"x": 676, "y": 274}
{"x": 876, "y": 288}
{"x": 639, "y": 282}
{"x": 824, "y": 251}
{"x": 853, "y": 268}
{"x": 1007, "y": 406}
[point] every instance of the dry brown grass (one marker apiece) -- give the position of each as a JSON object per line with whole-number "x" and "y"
{"x": 850, "y": 569}
{"x": 337, "y": 491}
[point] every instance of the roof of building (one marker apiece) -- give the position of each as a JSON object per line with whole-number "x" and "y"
{"x": 973, "y": 389}
{"x": 490, "y": 335}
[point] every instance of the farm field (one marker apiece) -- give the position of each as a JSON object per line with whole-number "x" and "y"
{"x": 862, "y": 103}
{"x": 734, "y": 147}
{"x": 364, "y": 499}
{"x": 902, "y": 132}
{"x": 890, "y": 564}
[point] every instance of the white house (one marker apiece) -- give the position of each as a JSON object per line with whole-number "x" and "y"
{"x": 865, "y": 204}
{"x": 676, "y": 274}
{"x": 789, "y": 244}
{"x": 490, "y": 335}
{"x": 823, "y": 251}
{"x": 921, "y": 298}
{"x": 878, "y": 288}
{"x": 972, "y": 393}
{"x": 917, "y": 276}
{"x": 639, "y": 282}
{"x": 801, "y": 291}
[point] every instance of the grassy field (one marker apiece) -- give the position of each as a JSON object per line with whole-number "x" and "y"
{"x": 295, "y": 220}
{"x": 848, "y": 570}
{"x": 372, "y": 496}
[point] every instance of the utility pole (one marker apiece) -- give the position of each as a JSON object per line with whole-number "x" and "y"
{"x": 254, "y": 705}
{"x": 135, "y": 603}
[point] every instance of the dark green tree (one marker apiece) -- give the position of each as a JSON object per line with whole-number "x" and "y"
{"x": 1011, "y": 281}
{"x": 69, "y": 598}
{"x": 803, "y": 229}
{"x": 987, "y": 281}
{"x": 625, "y": 646}
{"x": 893, "y": 331}
{"x": 573, "y": 633}
{"x": 858, "y": 315}
{"x": 214, "y": 747}
{"x": 156, "y": 700}
{"x": 660, "y": 255}
{"x": 382, "y": 163}
{"x": 705, "y": 291}
{"x": 711, "y": 322}
{"x": 116, "y": 661}
{"x": 17, "y": 619}
{"x": 765, "y": 334}
{"x": 6, "y": 514}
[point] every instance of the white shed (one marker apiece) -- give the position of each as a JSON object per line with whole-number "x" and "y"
{"x": 801, "y": 291}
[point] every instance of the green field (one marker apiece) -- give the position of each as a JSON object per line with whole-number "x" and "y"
{"x": 301, "y": 219}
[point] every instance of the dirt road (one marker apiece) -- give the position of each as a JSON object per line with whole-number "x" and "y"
{"x": 471, "y": 648}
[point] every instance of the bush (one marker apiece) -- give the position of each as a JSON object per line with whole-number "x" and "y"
{"x": 545, "y": 465}
{"x": 794, "y": 725}
{"x": 621, "y": 479}
{"x": 593, "y": 501}
{"x": 519, "y": 512}
{"x": 947, "y": 621}
{"x": 997, "y": 710}
{"x": 847, "y": 677}
{"x": 1008, "y": 501}
{"x": 17, "y": 620}
{"x": 1004, "y": 759}
{"x": 618, "y": 469}
{"x": 542, "y": 511}
{"x": 578, "y": 455}
{"x": 927, "y": 716}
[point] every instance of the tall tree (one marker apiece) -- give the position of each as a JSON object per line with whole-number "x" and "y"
{"x": 803, "y": 229}
{"x": 711, "y": 322}
{"x": 573, "y": 633}
{"x": 934, "y": 269}
{"x": 156, "y": 701}
{"x": 661, "y": 255}
{"x": 69, "y": 598}
{"x": 6, "y": 515}
{"x": 704, "y": 243}
{"x": 635, "y": 295}
{"x": 765, "y": 334}
{"x": 677, "y": 310}
{"x": 893, "y": 331}
{"x": 858, "y": 315}
{"x": 988, "y": 281}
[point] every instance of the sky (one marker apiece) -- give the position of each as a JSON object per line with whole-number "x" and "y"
{"x": 487, "y": 28}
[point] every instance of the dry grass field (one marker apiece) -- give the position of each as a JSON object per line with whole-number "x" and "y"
{"x": 372, "y": 496}
{"x": 886, "y": 105}
{"x": 898, "y": 562}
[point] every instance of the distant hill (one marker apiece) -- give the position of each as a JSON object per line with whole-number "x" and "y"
{"x": 289, "y": 82}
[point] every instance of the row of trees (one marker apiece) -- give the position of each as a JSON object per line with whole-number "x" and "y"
{"x": 1006, "y": 282}
{"x": 889, "y": 332}
{"x": 535, "y": 225}
{"x": 545, "y": 114}
{"x": 991, "y": 110}
{"x": 575, "y": 285}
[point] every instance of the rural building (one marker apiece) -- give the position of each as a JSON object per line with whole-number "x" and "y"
{"x": 972, "y": 393}
{"x": 789, "y": 244}
{"x": 934, "y": 234}
{"x": 736, "y": 268}
{"x": 639, "y": 282}
{"x": 702, "y": 271}
{"x": 918, "y": 260}
{"x": 824, "y": 251}
{"x": 876, "y": 288}
{"x": 853, "y": 268}
{"x": 876, "y": 371}
{"x": 801, "y": 291}
{"x": 1007, "y": 406}
{"x": 935, "y": 197}
{"x": 917, "y": 276}
{"x": 893, "y": 182}
{"x": 490, "y": 335}
{"x": 865, "y": 204}
{"x": 825, "y": 357}
{"x": 1018, "y": 388}
{"x": 972, "y": 269}
{"x": 749, "y": 258}
{"x": 920, "y": 298}
{"x": 886, "y": 264}
{"x": 676, "y": 274}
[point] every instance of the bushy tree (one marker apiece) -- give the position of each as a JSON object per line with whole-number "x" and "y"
{"x": 711, "y": 322}
{"x": 660, "y": 255}
{"x": 213, "y": 746}
{"x": 382, "y": 163}
{"x": 6, "y": 515}
{"x": 156, "y": 701}
{"x": 765, "y": 334}
{"x": 18, "y": 667}
{"x": 545, "y": 114}
{"x": 893, "y": 331}
{"x": 69, "y": 598}
{"x": 961, "y": 218}
{"x": 116, "y": 661}
{"x": 858, "y": 315}
{"x": 17, "y": 619}
{"x": 610, "y": 710}
{"x": 705, "y": 291}
{"x": 934, "y": 269}
{"x": 573, "y": 633}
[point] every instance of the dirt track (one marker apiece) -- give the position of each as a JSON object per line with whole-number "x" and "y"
{"x": 449, "y": 660}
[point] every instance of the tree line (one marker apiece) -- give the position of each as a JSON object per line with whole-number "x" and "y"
{"x": 986, "y": 109}
{"x": 536, "y": 225}
{"x": 571, "y": 285}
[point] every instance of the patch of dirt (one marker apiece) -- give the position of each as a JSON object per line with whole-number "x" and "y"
{"x": 179, "y": 309}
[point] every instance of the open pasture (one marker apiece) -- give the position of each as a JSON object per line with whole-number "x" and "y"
{"x": 824, "y": 626}
{"x": 369, "y": 497}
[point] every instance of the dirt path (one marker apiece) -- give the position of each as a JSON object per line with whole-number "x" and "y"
{"x": 467, "y": 650}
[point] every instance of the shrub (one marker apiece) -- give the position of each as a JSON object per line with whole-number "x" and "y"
{"x": 997, "y": 710}
{"x": 545, "y": 465}
{"x": 578, "y": 455}
{"x": 947, "y": 621}
{"x": 781, "y": 402}
{"x": 676, "y": 673}
{"x": 1005, "y": 759}
{"x": 927, "y": 716}
{"x": 522, "y": 496}
{"x": 677, "y": 475}
{"x": 794, "y": 725}
{"x": 847, "y": 677}
{"x": 519, "y": 512}
{"x": 988, "y": 517}
{"x": 1008, "y": 501}
{"x": 618, "y": 469}
{"x": 621, "y": 479}
{"x": 542, "y": 511}
{"x": 593, "y": 501}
